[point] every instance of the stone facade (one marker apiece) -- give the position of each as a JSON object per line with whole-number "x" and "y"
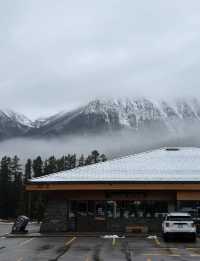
{"x": 55, "y": 219}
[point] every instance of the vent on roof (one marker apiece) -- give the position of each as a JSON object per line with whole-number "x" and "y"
{"x": 172, "y": 149}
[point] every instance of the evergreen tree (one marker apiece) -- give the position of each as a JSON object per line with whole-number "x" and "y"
{"x": 28, "y": 170}
{"x": 88, "y": 160}
{"x": 103, "y": 158}
{"x": 72, "y": 161}
{"x": 50, "y": 166}
{"x": 6, "y": 208}
{"x": 38, "y": 167}
{"x": 68, "y": 162}
{"x": 95, "y": 156}
{"x": 81, "y": 161}
{"x": 61, "y": 164}
{"x": 17, "y": 186}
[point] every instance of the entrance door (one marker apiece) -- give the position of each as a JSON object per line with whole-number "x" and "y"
{"x": 82, "y": 216}
{"x": 91, "y": 216}
{"x": 115, "y": 216}
{"x": 100, "y": 217}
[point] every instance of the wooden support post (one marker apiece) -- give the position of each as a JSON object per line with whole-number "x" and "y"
{"x": 29, "y": 204}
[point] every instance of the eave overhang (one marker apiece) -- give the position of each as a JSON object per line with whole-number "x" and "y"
{"x": 113, "y": 185}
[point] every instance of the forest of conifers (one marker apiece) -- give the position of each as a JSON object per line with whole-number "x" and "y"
{"x": 14, "y": 200}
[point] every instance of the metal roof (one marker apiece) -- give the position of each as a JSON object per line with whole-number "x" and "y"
{"x": 162, "y": 165}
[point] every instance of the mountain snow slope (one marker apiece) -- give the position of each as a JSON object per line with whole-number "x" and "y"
{"x": 180, "y": 117}
{"x": 135, "y": 115}
{"x": 13, "y": 124}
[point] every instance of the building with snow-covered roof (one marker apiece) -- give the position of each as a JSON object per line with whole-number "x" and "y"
{"x": 115, "y": 195}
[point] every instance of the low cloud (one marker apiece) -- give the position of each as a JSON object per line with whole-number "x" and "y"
{"x": 113, "y": 145}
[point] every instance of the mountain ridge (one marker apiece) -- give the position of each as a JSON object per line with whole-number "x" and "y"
{"x": 107, "y": 115}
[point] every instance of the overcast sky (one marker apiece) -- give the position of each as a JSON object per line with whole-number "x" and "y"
{"x": 59, "y": 54}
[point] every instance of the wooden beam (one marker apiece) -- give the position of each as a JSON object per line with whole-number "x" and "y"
{"x": 188, "y": 195}
{"x": 114, "y": 186}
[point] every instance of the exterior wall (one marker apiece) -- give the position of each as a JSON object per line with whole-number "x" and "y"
{"x": 55, "y": 219}
{"x": 113, "y": 195}
{"x": 58, "y": 216}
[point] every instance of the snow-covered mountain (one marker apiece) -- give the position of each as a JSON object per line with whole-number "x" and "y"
{"x": 123, "y": 114}
{"x": 13, "y": 124}
{"x": 100, "y": 116}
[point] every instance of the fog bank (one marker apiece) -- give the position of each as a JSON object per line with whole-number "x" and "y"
{"x": 113, "y": 145}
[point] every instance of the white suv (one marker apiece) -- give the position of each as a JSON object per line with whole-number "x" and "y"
{"x": 176, "y": 224}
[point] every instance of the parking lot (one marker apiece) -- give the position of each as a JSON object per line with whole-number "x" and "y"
{"x": 75, "y": 248}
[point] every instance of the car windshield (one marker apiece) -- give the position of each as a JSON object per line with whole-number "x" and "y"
{"x": 179, "y": 218}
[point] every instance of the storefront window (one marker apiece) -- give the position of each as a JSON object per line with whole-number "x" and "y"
{"x": 82, "y": 208}
{"x": 99, "y": 210}
{"x": 91, "y": 208}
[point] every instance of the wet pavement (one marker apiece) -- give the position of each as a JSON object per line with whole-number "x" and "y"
{"x": 75, "y": 248}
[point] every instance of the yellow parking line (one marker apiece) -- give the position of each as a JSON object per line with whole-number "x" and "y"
{"x": 70, "y": 241}
{"x": 157, "y": 241}
{"x": 87, "y": 258}
{"x": 20, "y": 259}
{"x": 114, "y": 242}
{"x": 152, "y": 254}
{"x": 26, "y": 242}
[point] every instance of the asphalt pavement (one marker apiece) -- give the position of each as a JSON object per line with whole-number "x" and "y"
{"x": 75, "y": 248}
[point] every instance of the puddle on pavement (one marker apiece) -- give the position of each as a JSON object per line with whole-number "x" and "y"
{"x": 83, "y": 249}
{"x": 61, "y": 249}
{"x": 45, "y": 247}
{"x": 96, "y": 253}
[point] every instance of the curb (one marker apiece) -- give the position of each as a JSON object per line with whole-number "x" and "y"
{"x": 68, "y": 235}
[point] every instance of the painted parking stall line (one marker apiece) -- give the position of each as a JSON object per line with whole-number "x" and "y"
{"x": 68, "y": 243}
{"x": 170, "y": 252}
{"x": 26, "y": 242}
{"x": 88, "y": 258}
{"x": 193, "y": 252}
{"x": 157, "y": 241}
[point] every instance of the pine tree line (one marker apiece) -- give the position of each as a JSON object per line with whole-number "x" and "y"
{"x": 14, "y": 200}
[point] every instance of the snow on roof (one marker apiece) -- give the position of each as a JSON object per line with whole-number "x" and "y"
{"x": 177, "y": 214}
{"x": 162, "y": 165}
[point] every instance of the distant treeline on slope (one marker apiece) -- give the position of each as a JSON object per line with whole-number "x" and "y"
{"x": 14, "y": 200}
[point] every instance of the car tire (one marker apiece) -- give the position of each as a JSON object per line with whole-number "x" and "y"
{"x": 166, "y": 237}
{"x": 193, "y": 238}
